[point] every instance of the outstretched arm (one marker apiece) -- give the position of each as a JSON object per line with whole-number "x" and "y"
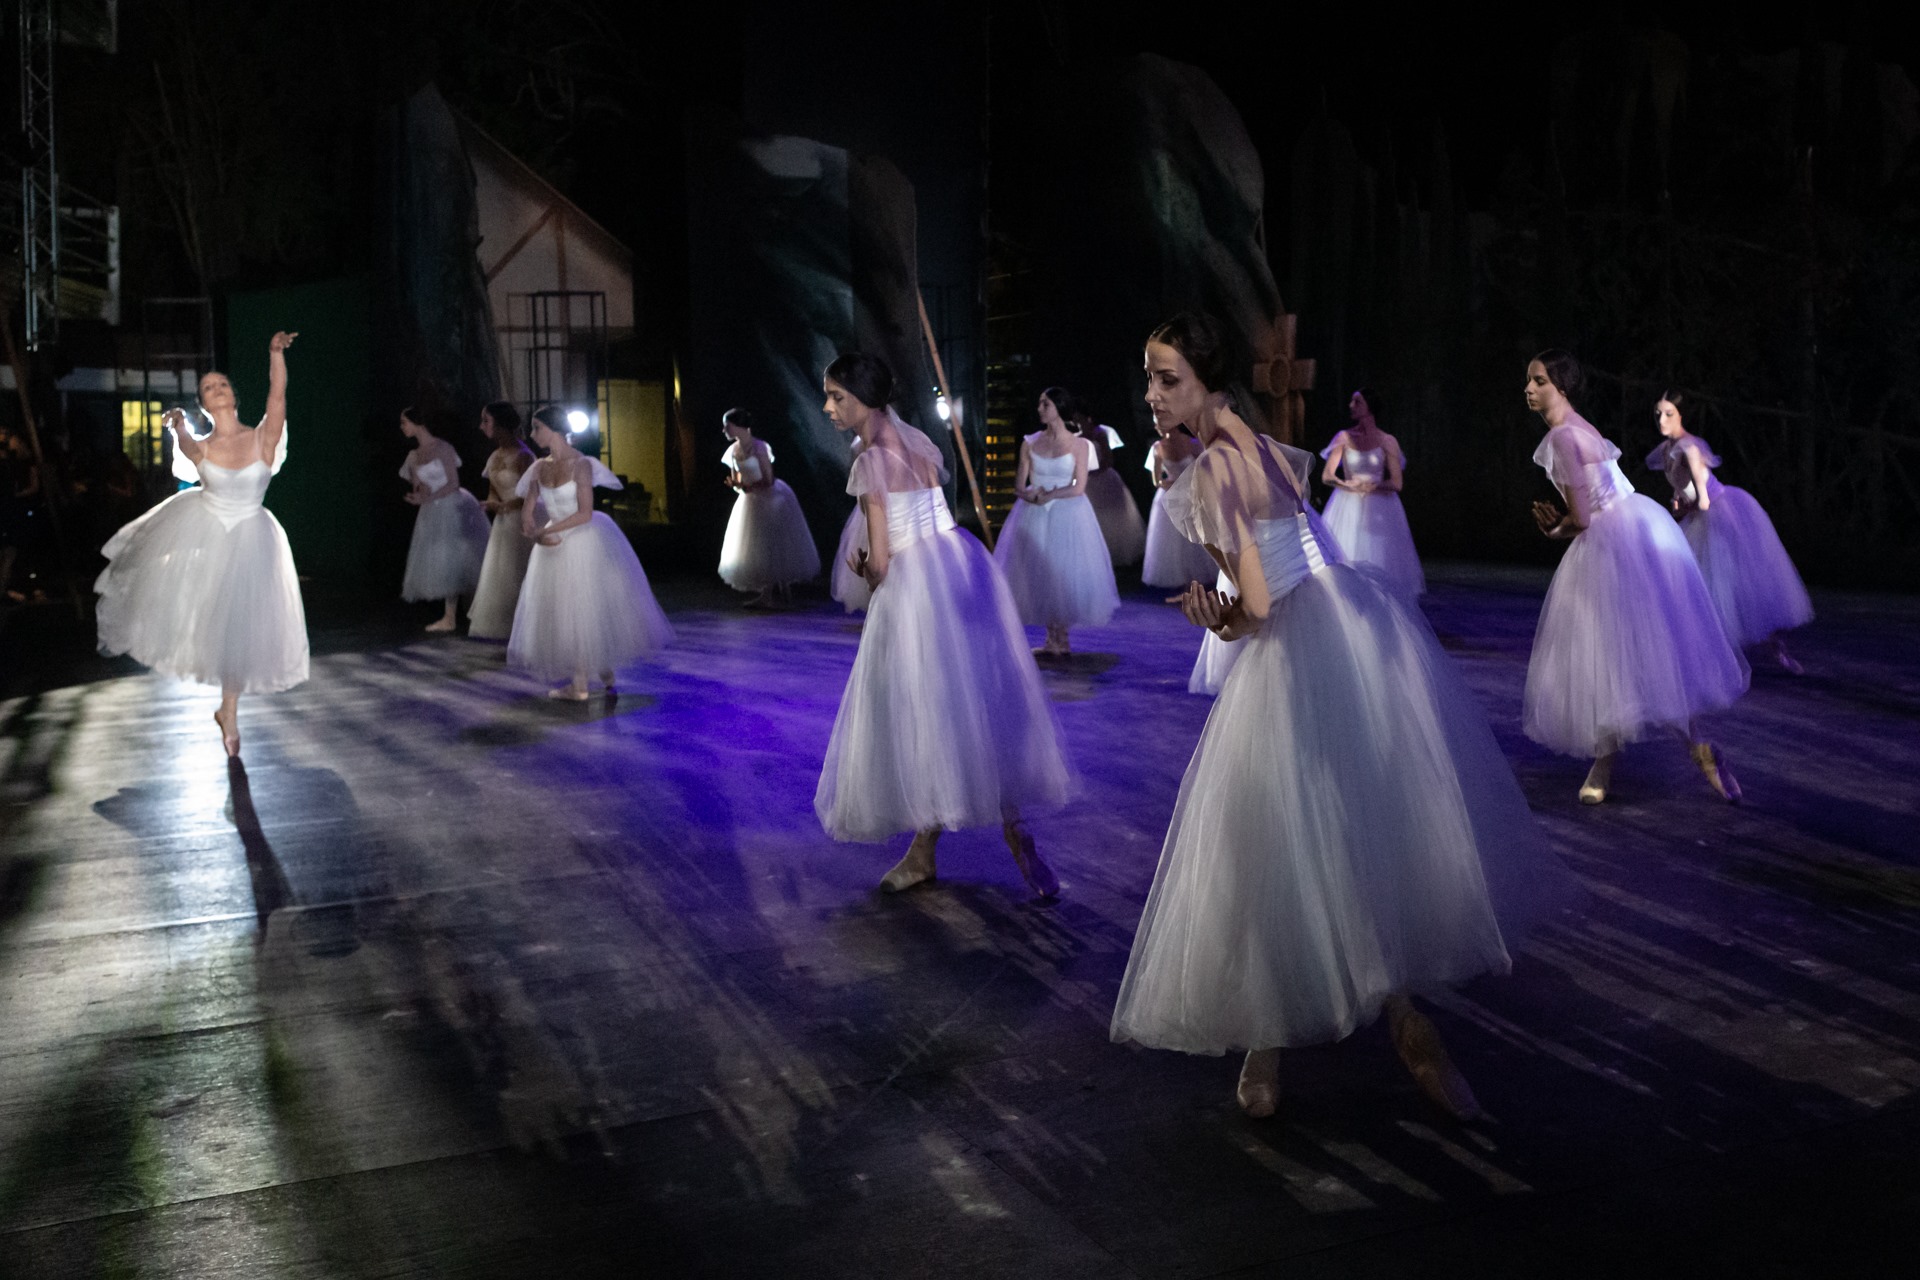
{"x": 275, "y": 423}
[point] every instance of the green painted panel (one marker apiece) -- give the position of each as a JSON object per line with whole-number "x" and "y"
{"x": 321, "y": 496}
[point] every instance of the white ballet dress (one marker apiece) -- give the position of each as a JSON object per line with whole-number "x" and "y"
{"x": 1371, "y": 528}
{"x": 1348, "y": 828}
{"x": 848, "y": 587}
{"x": 1749, "y": 574}
{"x": 586, "y": 606}
{"x": 768, "y": 543}
{"x": 1055, "y": 560}
{"x": 203, "y": 586}
{"x": 944, "y": 720}
{"x": 1170, "y": 559}
{"x": 1120, "y": 521}
{"x": 449, "y": 534}
{"x": 505, "y": 566}
{"x": 1628, "y": 641}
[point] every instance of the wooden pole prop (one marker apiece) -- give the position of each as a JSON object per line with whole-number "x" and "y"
{"x": 959, "y": 440}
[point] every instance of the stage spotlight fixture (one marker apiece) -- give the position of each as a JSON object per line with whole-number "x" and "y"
{"x": 577, "y": 421}
{"x": 941, "y": 407}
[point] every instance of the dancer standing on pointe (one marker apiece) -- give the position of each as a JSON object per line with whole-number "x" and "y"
{"x": 768, "y": 546}
{"x": 202, "y": 587}
{"x": 944, "y": 723}
{"x": 450, "y": 533}
{"x": 1120, "y": 521}
{"x": 1364, "y": 514}
{"x": 1755, "y": 588}
{"x": 1628, "y": 643}
{"x": 490, "y": 616}
{"x": 1171, "y": 560}
{"x": 586, "y": 607}
{"x": 1287, "y": 909}
{"x": 1050, "y": 549}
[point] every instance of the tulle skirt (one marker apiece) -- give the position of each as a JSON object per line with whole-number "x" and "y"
{"x": 1056, "y": 564}
{"x": 849, "y": 588}
{"x": 586, "y": 606}
{"x": 1216, "y": 656}
{"x": 1628, "y": 640}
{"x": 768, "y": 543}
{"x": 944, "y": 719}
{"x": 1754, "y": 586}
{"x": 501, "y": 573}
{"x": 449, "y": 542}
{"x": 1171, "y": 560}
{"x": 1372, "y": 529}
{"x": 1120, "y": 523}
{"x": 192, "y": 598}
{"x": 1347, "y": 829}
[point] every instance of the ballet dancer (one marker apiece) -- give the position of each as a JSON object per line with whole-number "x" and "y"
{"x": 1755, "y": 588}
{"x": 203, "y": 586}
{"x": 504, "y": 568}
{"x": 450, "y": 533}
{"x": 1348, "y": 831}
{"x": 1120, "y": 520}
{"x": 944, "y": 723}
{"x": 1170, "y": 559}
{"x": 1364, "y": 514}
{"x": 768, "y": 546}
{"x": 1051, "y": 550}
{"x": 1628, "y": 642}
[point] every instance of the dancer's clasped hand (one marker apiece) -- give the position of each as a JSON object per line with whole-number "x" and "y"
{"x": 1206, "y": 607}
{"x": 1551, "y": 519}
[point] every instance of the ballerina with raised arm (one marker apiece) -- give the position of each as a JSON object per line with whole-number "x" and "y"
{"x": 203, "y": 586}
{"x": 944, "y": 723}
{"x": 504, "y": 568}
{"x": 450, "y": 533}
{"x": 768, "y": 546}
{"x": 1051, "y": 549}
{"x": 1628, "y": 643}
{"x": 1348, "y": 832}
{"x": 1755, "y": 588}
{"x": 1364, "y": 514}
{"x": 586, "y": 607}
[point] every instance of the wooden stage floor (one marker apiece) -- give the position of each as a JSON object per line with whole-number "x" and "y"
{"x": 452, "y": 980}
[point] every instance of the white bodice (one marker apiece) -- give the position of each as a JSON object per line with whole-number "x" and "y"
{"x": 1049, "y": 473}
{"x": 234, "y": 495}
{"x": 1289, "y": 552}
{"x": 914, "y": 514}
{"x": 501, "y": 477}
{"x": 1585, "y": 460}
{"x": 1365, "y": 464}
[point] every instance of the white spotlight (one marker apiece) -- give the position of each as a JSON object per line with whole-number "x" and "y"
{"x": 941, "y": 407}
{"x": 577, "y": 421}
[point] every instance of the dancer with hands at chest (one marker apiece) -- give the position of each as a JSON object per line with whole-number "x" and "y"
{"x": 768, "y": 546}
{"x": 944, "y": 723}
{"x": 203, "y": 586}
{"x": 1628, "y": 644}
{"x": 1287, "y": 910}
{"x": 450, "y": 533}
{"x": 1364, "y": 514}
{"x": 504, "y": 568}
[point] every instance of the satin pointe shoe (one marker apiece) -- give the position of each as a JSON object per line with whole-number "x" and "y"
{"x": 1418, "y": 1043}
{"x": 1259, "y": 1089}
{"x": 1714, "y": 765}
{"x": 916, "y": 868}
{"x": 1033, "y": 869}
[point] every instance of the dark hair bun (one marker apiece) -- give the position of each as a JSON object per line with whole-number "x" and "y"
{"x": 1201, "y": 341}
{"x": 1563, "y": 371}
{"x": 865, "y": 377}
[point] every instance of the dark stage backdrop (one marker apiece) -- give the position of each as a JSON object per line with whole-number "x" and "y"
{"x": 322, "y": 497}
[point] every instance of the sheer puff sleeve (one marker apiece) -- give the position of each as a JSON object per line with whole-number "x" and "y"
{"x": 1569, "y": 449}
{"x": 1214, "y": 500}
{"x": 883, "y": 469}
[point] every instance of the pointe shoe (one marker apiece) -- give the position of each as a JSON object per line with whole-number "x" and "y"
{"x": 568, "y": 693}
{"x": 1591, "y": 794}
{"x": 1259, "y": 1090}
{"x": 1418, "y": 1043}
{"x": 1033, "y": 869}
{"x": 229, "y": 737}
{"x": 606, "y": 679}
{"x": 1719, "y": 776}
{"x": 915, "y": 868}
{"x": 444, "y": 624}
{"x": 1788, "y": 665}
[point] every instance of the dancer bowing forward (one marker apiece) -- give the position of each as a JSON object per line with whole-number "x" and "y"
{"x": 944, "y": 722}
{"x": 1171, "y": 560}
{"x": 768, "y": 546}
{"x": 1348, "y": 831}
{"x": 1364, "y": 514}
{"x": 202, "y": 586}
{"x": 1051, "y": 550}
{"x": 490, "y": 616}
{"x": 1755, "y": 588}
{"x": 1628, "y": 642}
{"x": 586, "y": 607}
{"x": 450, "y": 533}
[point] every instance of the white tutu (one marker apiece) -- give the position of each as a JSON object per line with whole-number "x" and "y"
{"x": 1171, "y": 560}
{"x": 203, "y": 587}
{"x": 1054, "y": 558}
{"x": 944, "y": 720}
{"x": 449, "y": 536}
{"x": 849, "y": 588}
{"x": 1371, "y": 528}
{"x": 768, "y": 543}
{"x": 1348, "y": 828}
{"x": 502, "y": 571}
{"x": 1755, "y": 588}
{"x": 1120, "y": 521}
{"x": 586, "y": 606}
{"x": 1216, "y": 656}
{"x": 1628, "y": 640}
